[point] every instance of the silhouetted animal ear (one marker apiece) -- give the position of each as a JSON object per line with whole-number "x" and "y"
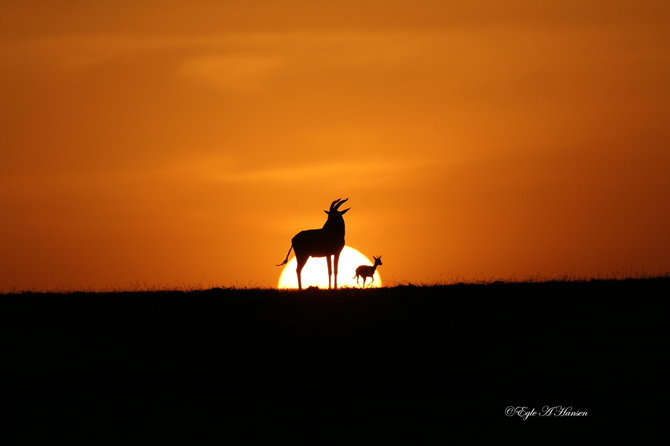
{"x": 327, "y": 212}
{"x": 344, "y": 211}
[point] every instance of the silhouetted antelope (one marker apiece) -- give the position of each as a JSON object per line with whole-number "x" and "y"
{"x": 325, "y": 242}
{"x": 366, "y": 271}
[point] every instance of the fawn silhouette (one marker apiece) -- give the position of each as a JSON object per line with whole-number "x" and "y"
{"x": 325, "y": 242}
{"x": 366, "y": 271}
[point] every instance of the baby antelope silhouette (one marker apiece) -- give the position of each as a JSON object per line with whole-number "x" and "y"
{"x": 366, "y": 271}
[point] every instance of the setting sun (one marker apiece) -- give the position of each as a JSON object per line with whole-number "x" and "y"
{"x": 315, "y": 272}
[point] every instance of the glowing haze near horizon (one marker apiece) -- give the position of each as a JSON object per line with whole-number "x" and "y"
{"x": 315, "y": 272}
{"x": 162, "y": 144}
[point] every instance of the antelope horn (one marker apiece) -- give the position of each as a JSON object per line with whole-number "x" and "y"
{"x": 339, "y": 204}
{"x": 333, "y": 203}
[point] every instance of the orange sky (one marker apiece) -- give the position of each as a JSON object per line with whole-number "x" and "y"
{"x": 164, "y": 143}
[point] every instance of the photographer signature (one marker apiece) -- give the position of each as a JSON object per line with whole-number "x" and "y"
{"x": 525, "y": 412}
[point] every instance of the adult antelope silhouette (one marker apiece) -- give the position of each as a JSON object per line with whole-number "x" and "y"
{"x": 366, "y": 271}
{"x": 325, "y": 242}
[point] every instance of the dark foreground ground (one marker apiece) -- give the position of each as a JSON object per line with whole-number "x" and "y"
{"x": 411, "y": 363}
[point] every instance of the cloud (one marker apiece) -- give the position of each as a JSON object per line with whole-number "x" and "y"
{"x": 213, "y": 171}
{"x": 238, "y": 71}
{"x": 225, "y": 58}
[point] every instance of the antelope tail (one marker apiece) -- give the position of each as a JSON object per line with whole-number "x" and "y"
{"x": 287, "y": 254}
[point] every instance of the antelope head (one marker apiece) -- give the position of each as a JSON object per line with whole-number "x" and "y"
{"x": 335, "y": 219}
{"x": 378, "y": 260}
{"x": 334, "y": 208}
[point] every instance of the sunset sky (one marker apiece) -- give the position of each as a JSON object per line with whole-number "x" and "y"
{"x": 182, "y": 144}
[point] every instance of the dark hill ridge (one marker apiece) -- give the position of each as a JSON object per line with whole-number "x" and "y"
{"x": 402, "y": 359}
